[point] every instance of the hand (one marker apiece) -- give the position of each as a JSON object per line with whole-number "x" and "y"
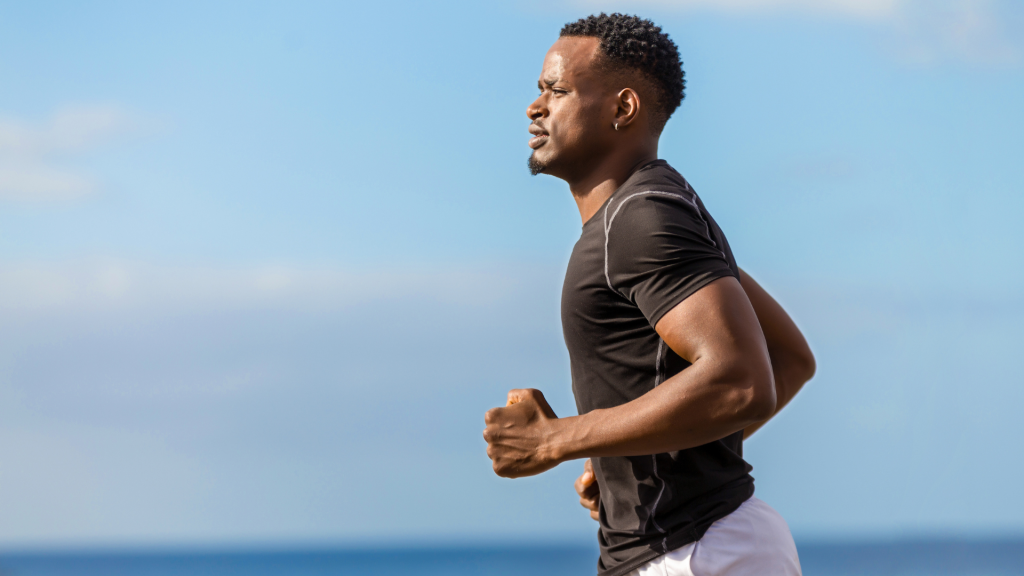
{"x": 519, "y": 435}
{"x": 589, "y": 491}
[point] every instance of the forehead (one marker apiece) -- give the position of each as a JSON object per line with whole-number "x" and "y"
{"x": 570, "y": 57}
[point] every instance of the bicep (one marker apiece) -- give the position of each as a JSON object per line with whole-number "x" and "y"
{"x": 717, "y": 324}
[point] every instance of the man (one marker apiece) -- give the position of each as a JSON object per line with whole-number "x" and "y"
{"x": 675, "y": 353}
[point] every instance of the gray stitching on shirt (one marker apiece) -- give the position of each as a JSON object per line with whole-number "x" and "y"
{"x": 608, "y": 227}
{"x": 654, "y": 505}
{"x": 608, "y": 224}
{"x": 707, "y": 227}
{"x": 606, "y": 276}
{"x": 657, "y": 380}
{"x": 657, "y": 363}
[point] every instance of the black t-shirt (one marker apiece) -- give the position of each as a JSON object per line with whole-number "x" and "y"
{"x": 647, "y": 249}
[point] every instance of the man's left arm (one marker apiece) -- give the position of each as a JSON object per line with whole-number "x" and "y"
{"x": 792, "y": 361}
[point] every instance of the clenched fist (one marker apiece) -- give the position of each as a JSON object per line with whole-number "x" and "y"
{"x": 521, "y": 437}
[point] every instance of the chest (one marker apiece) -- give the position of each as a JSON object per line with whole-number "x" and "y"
{"x": 594, "y": 316}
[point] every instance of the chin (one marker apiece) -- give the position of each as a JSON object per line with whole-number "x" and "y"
{"x": 536, "y": 165}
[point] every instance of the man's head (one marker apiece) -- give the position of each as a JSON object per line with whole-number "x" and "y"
{"x": 609, "y": 83}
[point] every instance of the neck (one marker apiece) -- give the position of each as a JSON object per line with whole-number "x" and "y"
{"x": 592, "y": 189}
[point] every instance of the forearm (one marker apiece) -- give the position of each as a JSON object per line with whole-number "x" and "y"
{"x": 792, "y": 361}
{"x": 790, "y": 377}
{"x": 699, "y": 405}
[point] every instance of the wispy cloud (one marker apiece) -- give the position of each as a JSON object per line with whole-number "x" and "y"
{"x": 917, "y": 31}
{"x": 866, "y": 9}
{"x": 36, "y": 159}
{"x": 119, "y": 285}
{"x": 973, "y": 31}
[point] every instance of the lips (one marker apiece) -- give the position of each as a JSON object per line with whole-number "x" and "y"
{"x": 540, "y": 136}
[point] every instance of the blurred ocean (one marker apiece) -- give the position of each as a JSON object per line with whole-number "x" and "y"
{"x": 902, "y": 558}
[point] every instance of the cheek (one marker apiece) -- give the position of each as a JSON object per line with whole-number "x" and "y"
{"x": 571, "y": 122}
{"x": 582, "y": 130}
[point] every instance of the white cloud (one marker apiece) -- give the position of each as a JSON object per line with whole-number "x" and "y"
{"x": 974, "y": 31}
{"x": 116, "y": 285}
{"x": 870, "y": 9}
{"x": 36, "y": 181}
{"x": 918, "y": 31}
{"x": 34, "y": 158}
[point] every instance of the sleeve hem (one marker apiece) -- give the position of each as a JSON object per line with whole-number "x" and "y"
{"x": 677, "y": 299}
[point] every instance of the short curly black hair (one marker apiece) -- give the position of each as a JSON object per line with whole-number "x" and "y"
{"x": 636, "y": 43}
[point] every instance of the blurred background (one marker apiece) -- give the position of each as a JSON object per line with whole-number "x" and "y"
{"x": 263, "y": 266}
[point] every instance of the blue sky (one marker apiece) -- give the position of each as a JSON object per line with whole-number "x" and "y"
{"x": 264, "y": 267}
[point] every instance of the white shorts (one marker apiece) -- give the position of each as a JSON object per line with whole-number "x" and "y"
{"x": 752, "y": 541}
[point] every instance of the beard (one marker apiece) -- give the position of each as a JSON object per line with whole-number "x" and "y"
{"x": 536, "y": 166}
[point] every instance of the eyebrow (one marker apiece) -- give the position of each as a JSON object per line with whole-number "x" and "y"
{"x": 540, "y": 83}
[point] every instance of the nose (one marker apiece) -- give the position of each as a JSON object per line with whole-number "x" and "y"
{"x": 537, "y": 109}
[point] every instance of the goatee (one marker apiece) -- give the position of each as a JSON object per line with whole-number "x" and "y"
{"x": 536, "y": 167}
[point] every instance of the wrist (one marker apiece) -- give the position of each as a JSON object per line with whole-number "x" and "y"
{"x": 563, "y": 439}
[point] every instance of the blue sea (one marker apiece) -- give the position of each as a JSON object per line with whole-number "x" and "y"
{"x": 896, "y": 558}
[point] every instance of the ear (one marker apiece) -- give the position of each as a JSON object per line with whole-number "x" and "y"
{"x": 627, "y": 108}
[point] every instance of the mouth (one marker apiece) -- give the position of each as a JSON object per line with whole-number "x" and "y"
{"x": 540, "y": 136}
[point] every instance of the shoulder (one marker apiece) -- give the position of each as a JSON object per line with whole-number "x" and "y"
{"x": 657, "y": 224}
{"x": 656, "y": 209}
{"x": 649, "y": 211}
{"x": 653, "y": 192}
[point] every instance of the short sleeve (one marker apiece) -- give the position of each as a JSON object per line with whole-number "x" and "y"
{"x": 660, "y": 251}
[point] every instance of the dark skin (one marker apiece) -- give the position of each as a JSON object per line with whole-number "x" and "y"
{"x": 592, "y": 129}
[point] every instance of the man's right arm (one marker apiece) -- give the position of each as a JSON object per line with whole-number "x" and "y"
{"x": 792, "y": 365}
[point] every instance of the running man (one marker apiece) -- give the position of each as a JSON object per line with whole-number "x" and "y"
{"x": 676, "y": 354}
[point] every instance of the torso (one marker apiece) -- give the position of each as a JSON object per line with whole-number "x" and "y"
{"x": 649, "y": 247}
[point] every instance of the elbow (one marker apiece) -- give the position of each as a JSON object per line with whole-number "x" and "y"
{"x": 760, "y": 405}
{"x": 793, "y": 367}
{"x": 758, "y": 399}
{"x": 804, "y": 366}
